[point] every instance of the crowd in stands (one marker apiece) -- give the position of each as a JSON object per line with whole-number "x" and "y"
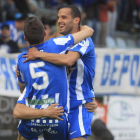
{"x": 116, "y": 23}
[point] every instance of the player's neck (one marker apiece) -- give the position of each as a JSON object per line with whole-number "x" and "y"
{"x": 37, "y": 44}
{"x": 75, "y": 30}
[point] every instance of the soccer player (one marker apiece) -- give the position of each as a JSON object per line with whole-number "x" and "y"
{"x": 41, "y": 80}
{"x": 81, "y": 58}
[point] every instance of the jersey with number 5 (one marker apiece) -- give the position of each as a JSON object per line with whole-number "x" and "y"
{"x": 46, "y": 83}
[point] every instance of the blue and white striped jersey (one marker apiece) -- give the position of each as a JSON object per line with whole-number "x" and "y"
{"x": 45, "y": 83}
{"x": 81, "y": 75}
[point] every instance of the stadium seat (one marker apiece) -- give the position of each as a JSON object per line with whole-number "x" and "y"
{"x": 138, "y": 43}
{"x": 131, "y": 43}
{"x": 110, "y": 42}
{"x": 120, "y": 43}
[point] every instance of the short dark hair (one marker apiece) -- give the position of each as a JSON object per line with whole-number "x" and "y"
{"x": 75, "y": 12}
{"x": 5, "y": 26}
{"x": 34, "y": 30}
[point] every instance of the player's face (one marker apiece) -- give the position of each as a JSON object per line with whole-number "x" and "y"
{"x": 65, "y": 21}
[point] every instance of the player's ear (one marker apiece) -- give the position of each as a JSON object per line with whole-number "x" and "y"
{"x": 25, "y": 38}
{"x": 76, "y": 20}
{"x": 45, "y": 33}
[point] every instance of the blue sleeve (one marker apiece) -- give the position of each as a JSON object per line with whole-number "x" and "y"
{"x": 62, "y": 43}
{"x": 21, "y": 101}
{"x": 82, "y": 47}
{"x": 20, "y": 77}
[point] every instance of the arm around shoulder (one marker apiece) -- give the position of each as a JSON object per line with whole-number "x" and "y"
{"x": 84, "y": 33}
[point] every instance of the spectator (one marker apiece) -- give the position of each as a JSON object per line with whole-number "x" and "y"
{"x": 33, "y": 6}
{"x": 6, "y": 44}
{"x": 47, "y": 25}
{"x": 48, "y": 28}
{"x": 10, "y": 9}
{"x": 100, "y": 131}
{"x": 104, "y": 7}
{"x": 137, "y": 9}
{"x": 19, "y": 24}
{"x": 92, "y": 18}
{"x": 17, "y": 33}
{"x": 125, "y": 15}
{"x": 22, "y": 6}
{"x": 112, "y": 19}
{"x": 1, "y": 11}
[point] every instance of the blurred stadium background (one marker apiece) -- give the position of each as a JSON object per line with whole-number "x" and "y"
{"x": 117, "y": 43}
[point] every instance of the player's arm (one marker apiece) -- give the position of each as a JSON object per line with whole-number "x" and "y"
{"x": 22, "y": 111}
{"x": 21, "y": 86}
{"x": 58, "y": 59}
{"x": 85, "y": 32}
{"x": 67, "y": 60}
{"x": 62, "y": 59}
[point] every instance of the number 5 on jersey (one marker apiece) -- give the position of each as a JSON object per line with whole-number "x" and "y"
{"x": 39, "y": 74}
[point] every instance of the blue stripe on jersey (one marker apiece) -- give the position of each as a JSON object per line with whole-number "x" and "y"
{"x": 44, "y": 80}
{"x": 83, "y": 71}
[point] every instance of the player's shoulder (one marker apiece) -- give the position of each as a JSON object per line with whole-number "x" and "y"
{"x": 61, "y": 40}
{"x": 20, "y": 55}
{"x": 89, "y": 41}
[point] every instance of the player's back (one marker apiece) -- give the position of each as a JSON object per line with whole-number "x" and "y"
{"x": 45, "y": 83}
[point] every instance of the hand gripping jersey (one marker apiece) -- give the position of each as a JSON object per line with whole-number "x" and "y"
{"x": 45, "y": 84}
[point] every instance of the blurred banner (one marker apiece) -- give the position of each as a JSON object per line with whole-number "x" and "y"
{"x": 8, "y": 80}
{"x": 124, "y": 117}
{"x": 8, "y": 125}
{"x": 8, "y": 87}
{"x": 117, "y": 71}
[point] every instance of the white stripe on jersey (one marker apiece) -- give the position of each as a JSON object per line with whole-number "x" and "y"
{"x": 61, "y": 41}
{"x": 26, "y": 102}
{"x": 75, "y": 46}
{"x": 68, "y": 97}
{"x": 57, "y": 98}
{"x": 40, "y": 137}
{"x": 84, "y": 46}
{"x": 22, "y": 77}
{"x": 19, "y": 123}
{"x": 63, "y": 52}
{"x": 45, "y": 105}
{"x": 22, "y": 95}
{"x": 79, "y": 80}
{"x": 80, "y": 118}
